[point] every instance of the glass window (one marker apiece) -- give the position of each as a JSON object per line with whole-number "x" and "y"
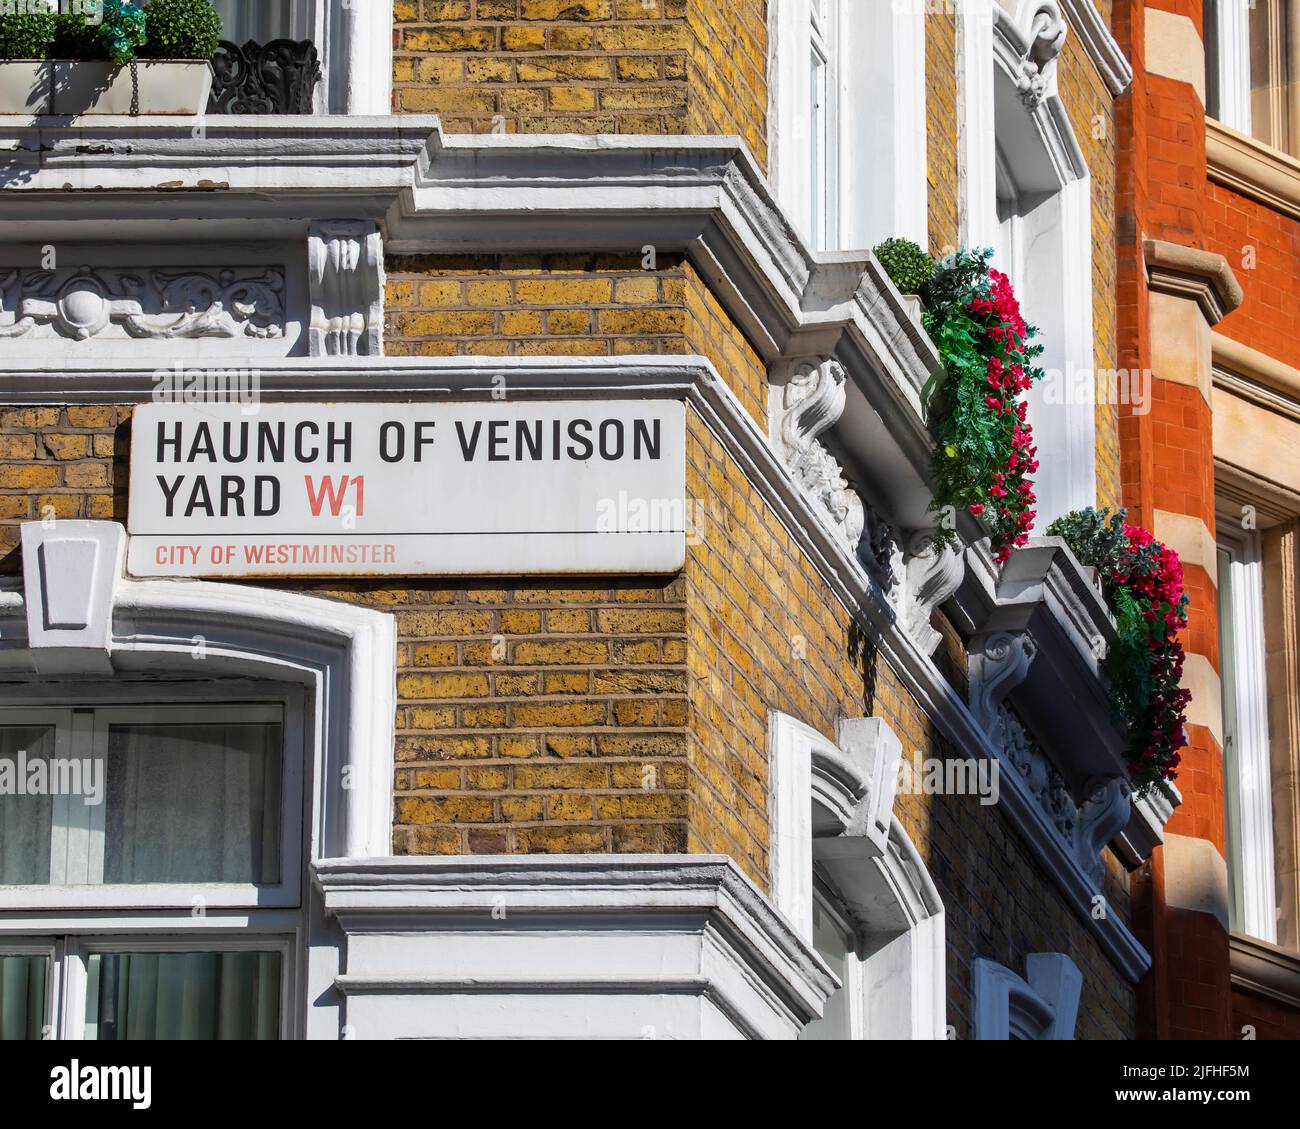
{"x": 183, "y": 995}
{"x": 1246, "y": 753}
{"x": 264, "y": 20}
{"x": 833, "y": 941}
{"x": 1252, "y": 50}
{"x": 24, "y": 978}
{"x": 149, "y": 794}
{"x": 112, "y": 813}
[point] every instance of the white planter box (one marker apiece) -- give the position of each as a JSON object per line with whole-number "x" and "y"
{"x": 166, "y": 86}
{"x": 25, "y": 86}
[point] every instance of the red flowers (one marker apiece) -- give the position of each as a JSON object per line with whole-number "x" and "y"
{"x": 1010, "y": 491}
{"x": 986, "y": 452}
{"x": 1144, "y": 588}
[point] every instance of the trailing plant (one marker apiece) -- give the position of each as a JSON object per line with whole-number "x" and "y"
{"x": 908, "y": 267}
{"x": 182, "y": 29}
{"x": 116, "y": 37}
{"x": 122, "y": 31}
{"x": 1143, "y": 583}
{"x": 26, "y": 34}
{"x": 984, "y": 448}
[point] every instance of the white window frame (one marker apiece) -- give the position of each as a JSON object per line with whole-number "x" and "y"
{"x": 355, "y": 45}
{"x": 69, "y": 964}
{"x": 1229, "y": 50}
{"x": 1249, "y": 841}
{"x": 49, "y": 949}
{"x": 854, "y": 987}
{"x": 143, "y": 634}
{"x": 874, "y": 164}
{"x": 834, "y": 836}
{"x": 90, "y": 897}
{"x": 1029, "y": 154}
{"x": 1043, "y": 1005}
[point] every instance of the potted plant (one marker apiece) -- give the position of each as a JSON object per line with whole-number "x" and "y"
{"x": 25, "y": 40}
{"x": 909, "y": 268}
{"x": 114, "y": 57}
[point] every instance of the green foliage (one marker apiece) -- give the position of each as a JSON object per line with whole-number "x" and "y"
{"x": 983, "y": 450}
{"x": 907, "y": 265}
{"x": 26, "y": 35}
{"x": 182, "y": 29}
{"x": 122, "y": 30}
{"x": 1143, "y": 583}
{"x": 75, "y": 38}
{"x": 1096, "y": 537}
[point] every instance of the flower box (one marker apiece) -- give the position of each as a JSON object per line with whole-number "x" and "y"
{"x": 25, "y": 86}
{"x": 67, "y": 87}
{"x": 166, "y": 86}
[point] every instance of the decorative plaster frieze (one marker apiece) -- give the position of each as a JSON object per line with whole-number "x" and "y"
{"x": 1031, "y": 40}
{"x": 1045, "y": 783}
{"x": 80, "y": 303}
{"x": 345, "y": 267}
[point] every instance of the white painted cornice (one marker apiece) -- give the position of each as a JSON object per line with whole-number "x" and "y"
{"x": 694, "y": 380}
{"x": 705, "y": 197}
{"x": 754, "y": 949}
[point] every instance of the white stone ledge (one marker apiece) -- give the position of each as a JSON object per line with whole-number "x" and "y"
{"x": 601, "y": 946}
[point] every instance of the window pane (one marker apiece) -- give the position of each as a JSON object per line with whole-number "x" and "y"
{"x": 836, "y": 949}
{"x": 22, "y": 996}
{"x": 193, "y": 803}
{"x": 183, "y": 996}
{"x": 262, "y": 20}
{"x": 26, "y": 803}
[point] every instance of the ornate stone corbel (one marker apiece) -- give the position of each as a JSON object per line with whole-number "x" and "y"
{"x": 1103, "y": 816}
{"x": 345, "y": 266}
{"x": 933, "y": 574}
{"x": 999, "y": 662}
{"x": 1033, "y": 39}
{"x": 803, "y": 409}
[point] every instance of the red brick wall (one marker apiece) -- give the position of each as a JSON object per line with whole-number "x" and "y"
{"x": 1270, "y": 1019}
{"x": 1263, "y": 248}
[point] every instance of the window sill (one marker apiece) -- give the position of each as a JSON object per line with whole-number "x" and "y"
{"x": 1265, "y": 969}
{"x": 1252, "y": 168}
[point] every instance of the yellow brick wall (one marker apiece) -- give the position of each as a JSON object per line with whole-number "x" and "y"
{"x": 585, "y": 66}
{"x": 525, "y": 305}
{"x": 60, "y": 463}
{"x": 565, "y": 305}
{"x": 537, "y": 716}
{"x": 763, "y": 633}
{"x": 941, "y": 128}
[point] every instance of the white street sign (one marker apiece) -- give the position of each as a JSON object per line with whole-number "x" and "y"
{"x": 408, "y": 489}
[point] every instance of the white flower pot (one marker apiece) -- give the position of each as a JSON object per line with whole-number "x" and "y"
{"x": 25, "y": 86}
{"x": 166, "y": 86}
